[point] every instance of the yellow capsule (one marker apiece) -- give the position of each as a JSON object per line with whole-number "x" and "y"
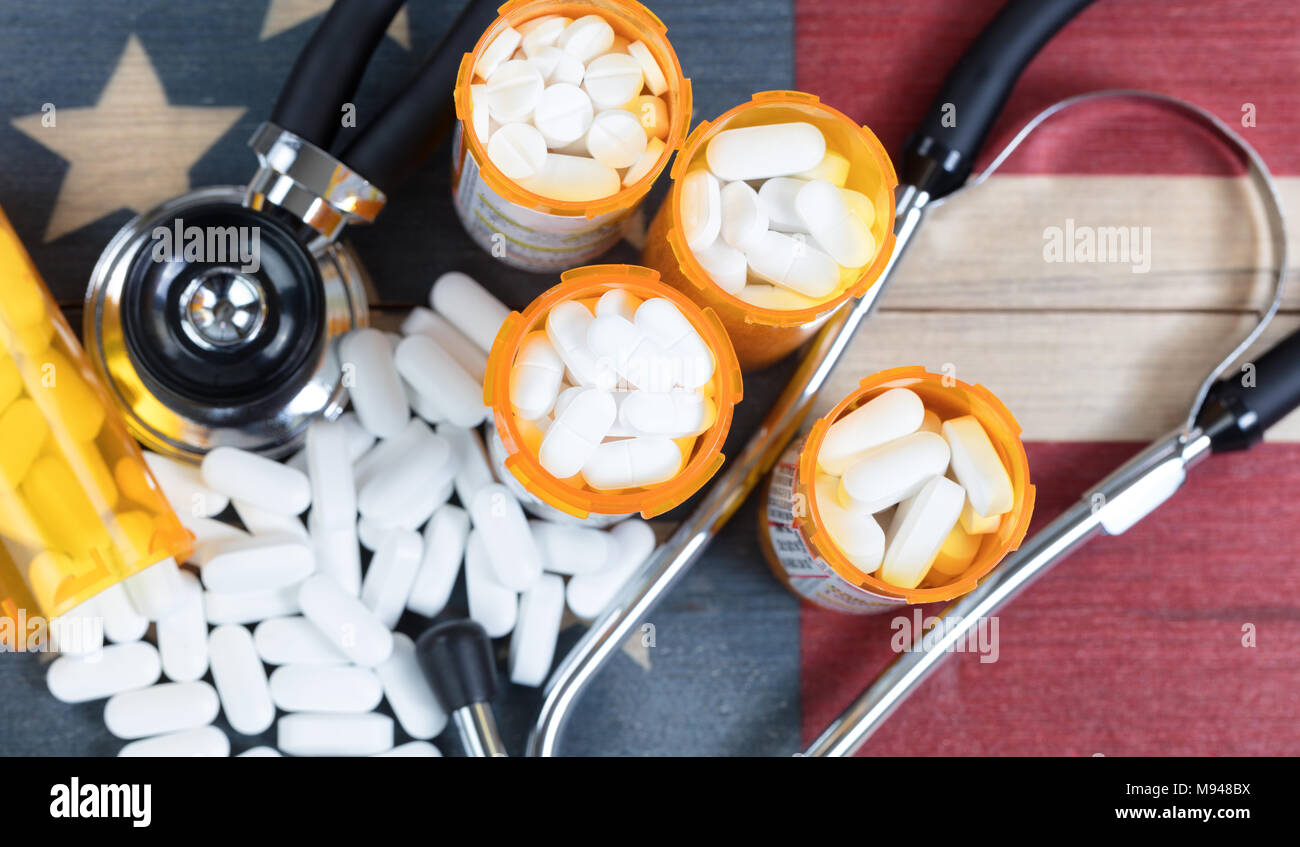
{"x": 46, "y": 573}
{"x": 134, "y": 533}
{"x": 21, "y": 290}
{"x": 92, "y": 471}
{"x": 138, "y": 485}
{"x": 65, "y": 396}
{"x": 29, "y": 342}
{"x": 23, "y": 433}
{"x": 62, "y": 509}
{"x": 957, "y": 552}
{"x": 18, "y": 527}
{"x": 11, "y": 382}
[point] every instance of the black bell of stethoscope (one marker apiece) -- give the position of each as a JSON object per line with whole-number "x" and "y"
{"x": 212, "y": 317}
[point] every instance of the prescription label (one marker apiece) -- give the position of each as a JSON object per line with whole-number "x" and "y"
{"x": 526, "y": 238}
{"x": 808, "y": 574}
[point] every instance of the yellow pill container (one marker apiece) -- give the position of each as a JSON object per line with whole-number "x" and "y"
{"x": 70, "y": 525}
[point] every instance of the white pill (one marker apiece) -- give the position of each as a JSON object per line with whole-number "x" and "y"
{"x": 570, "y": 549}
{"x": 892, "y": 414}
{"x": 976, "y": 524}
{"x": 793, "y": 262}
{"x": 586, "y": 38}
{"x": 617, "y": 301}
{"x": 518, "y": 150}
{"x": 574, "y": 435}
{"x": 261, "y": 752}
{"x": 155, "y": 590}
{"x": 249, "y": 606}
{"x": 776, "y": 197}
{"x": 480, "y": 116}
{"x": 661, "y": 320}
{"x": 573, "y": 179}
{"x": 263, "y": 524}
{"x": 918, "y": 530}
{"x": 589, "y": 594}
{"x": 632, "y": 463}
{"x": 310, "y": 734}
{"x": 426, "y": 465}
{"x": 833, "y": 168}
{"x": 760, "y": 152}
{"x": 743, "y": 218}
{"x": 207, "y": 530}
{"x": 498, "y": 51}
{"x": 422, "y": 321}
{"x": 437, "y": 376}
{"x": 843, "y": 236}
{"x": 325, "y": 688}
{"x": 294, "y": 640}
{"x": 616, "y": 139}
{"x": 491, "y": 604}
{"x": 118, "y": 668}
{"x": 469, "y": 307}
{"x": 240, "y": 679}
{"x": 375, "y": 387}
{"x": 205, "y": 741}
{"x": 563, "y": 114}
{"x": 612, "y": 80}
{"x": 654, "y": 76}
{"x": 535, "y": 378}
{"x": 329, "y": 467}
{"x": 674, "y": 414}
{"x": 412, "y": 749}
{"x": 568, "y": 70}
{"x": 78, "y": 631}
{"x": 391, "y": 574}
{"x": 509, "y": 545}
{"x": 978, "y": 468}
{"x": 183, "y": 634}
{"x": 472, "y": 469}
{"x": 336, "y": 553}
{"x": 701, "y": 208}
{"x": 654, "y": 150}
{"x": 389, "y": 452}
{"x": 258, "y": 564}
{"x": 513, "y": 90}
{"x": 345, "y": 621}
{"x": 407, "y": 692}
{"x": 567, "y": 325}
{"x": 532, "y": 646}
{"x": 546, "y": 60}
{"x": 122, "y": 623}
{"x": 894, "y": 471}
{"x": 856, "y": 534}
{"x": 444, "y": 548}
{"x": 543, "y": 33}
{"x": 159, "y": 709}
{"x": 633, "y": 354}
{"x": 184, "y": 488}
{"x": 533, "y": 23}
{"x": 724, "y": 264}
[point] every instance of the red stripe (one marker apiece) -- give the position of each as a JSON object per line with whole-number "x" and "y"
{"x": 1133, "y": 646}
{"x": 882, "y": 62}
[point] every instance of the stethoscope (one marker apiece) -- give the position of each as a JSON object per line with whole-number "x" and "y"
{"x": 229, "y": 340}
{"x": 937, "y": 161}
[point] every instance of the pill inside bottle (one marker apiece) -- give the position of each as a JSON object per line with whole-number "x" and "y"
{"x": 612, "y": 394}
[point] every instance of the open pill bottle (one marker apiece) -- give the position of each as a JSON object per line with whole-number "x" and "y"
{"x": 588, "y": 301}
{"x": 796, "y": 519}
{"x": 767, "y": 321}
{"x": 79, "y": 510}
{"x": 544, "y": 202}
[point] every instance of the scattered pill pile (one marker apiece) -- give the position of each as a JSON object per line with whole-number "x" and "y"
{"x": 767, "y": 215}
{"x": 568, "y": 109}
{"x": 612, "y": 394}
{"x": 938, "y": 486}
{"x": 291, "y": 596}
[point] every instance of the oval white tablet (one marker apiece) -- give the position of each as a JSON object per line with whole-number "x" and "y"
{"x": 654, "y": 151}
{"x": 616, "y": 138}
{"x": 701, "y": 208}
{"x": 661, "y": 320}
{"x": 632, "y": 463}
{"x": 822, "y": 208}
{"x": 183, "y": 634}
{"x": 506, "y": 42}
{"x": 573, "y": 179}
{"x": 408, "y": 692}
{"x": 444, "y": 548}
{"x": 857, "y": 534}
{"x": 793, "y": 262}
{"x": 375, "y": 388}
{"x": 761, "y": 152}
{"x": 889, "y": 415}
{"x": 978, "y": 468}
{"x": 586, "y": 38}
{"x": 576, "y": 433}
{"x": 743, "y": 218}
{"x": 518, "y": 150}
{"x": 234, "y": 567}
{"x": 776, "y": 197}
{"x": 249, "y": 606}
{"x": 206, "y": 741}
{"x": 391, "y": 574}
{"x": 673, "y": 414}
{"x": 589, "y": 594}
{"x": 439, "y": 378}
{"x": 329, "y": 468}
{"x": 571, "y": 549}
{"x": 122, "y": 623}
{"x": 724, "y": 264}
{"x": 184, "y": 488}
{"x": 240, "y": 680}
{"x": 532, "y": 647}
{"x": 158, "y": 709}
{"x": 918, "y": 530}
{"x": 535, "y": 377}
{"x": 469, "y": 306}
{"x": 118, "y": 668}
{"x": 566, "y": 326}
{"x": 509, "y": 545}
{"x": 616, "y": 301}
{"x": 345, "y": 620}
{"x": 325, "y": 688}
{"x": 294, "y": 640}
{"x": 491, "y": 604}
{"x": 309, "y": 734}
{"x": 256, "y": 479}
{"x": 654, "y": 76}
{"x": 513, "y": 90}
{"x": 612, "y": 80}
{"x": 563, "y": 114}
{"x": 894, "y": 471}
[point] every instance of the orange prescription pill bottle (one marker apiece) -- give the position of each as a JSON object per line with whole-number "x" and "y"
{"x": 765, "y": 321}
{"x": 515, "y": 443}
{"x": 79, "y": 510}
{"x": 574, "y": 209}
{"x": 793, "y": 530}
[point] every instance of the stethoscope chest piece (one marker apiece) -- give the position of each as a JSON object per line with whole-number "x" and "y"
{"x": 212, "y": 323}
